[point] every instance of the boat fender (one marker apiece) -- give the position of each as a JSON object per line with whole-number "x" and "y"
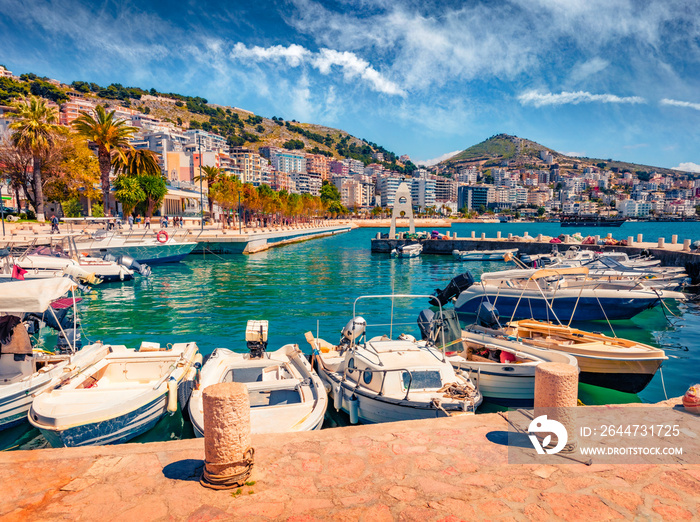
{"x": 338, "y": 397}
{"x": 172, "y": 395}
{"x": 162, "y": 236}
{"x": 353, "y": 409}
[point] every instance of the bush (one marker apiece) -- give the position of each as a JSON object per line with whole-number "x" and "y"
{"x": 73, "y": 208}
{"x": 31, "y": 215}
{"x": 98, "y": 210}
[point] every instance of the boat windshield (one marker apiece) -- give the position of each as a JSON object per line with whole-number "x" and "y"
{"x": 421, "y": 380}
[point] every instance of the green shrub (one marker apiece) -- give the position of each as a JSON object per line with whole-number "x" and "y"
{"x": 98, "y": 210}
{"x": 73, "y": 208}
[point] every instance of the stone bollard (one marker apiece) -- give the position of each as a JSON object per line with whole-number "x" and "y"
{"x": 662, "y": 241}
{"x": 510, "y": 236}
{"x": 379, "y": 235}
{"x": 639, "y": 238}
{"x": 498, "y": 235}
{"x": 674, "y": 239}
{"x": 630, "y": 240}
{"x": 473, "y": 234}
{"x": 556, "y": 396}
{"x": 539, "y": 237}
{"x": 686, "y": 245}
{"x": 609, "y": 236}
{"x": 597, "y": 239}
{"x": 567, "y": 238}
{"x": 228, "y": 455}
{"x": 483, "y": 235}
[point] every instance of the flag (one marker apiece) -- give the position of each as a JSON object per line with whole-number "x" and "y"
{"x": 18, "y": 272}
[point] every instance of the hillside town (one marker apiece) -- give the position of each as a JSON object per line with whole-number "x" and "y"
{"x": 534, "y": 182}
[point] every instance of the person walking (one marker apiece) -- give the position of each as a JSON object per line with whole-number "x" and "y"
{"x": 131, "y": 222}
{"x": 147, "y": 222}
{"x": 54, "y": 224}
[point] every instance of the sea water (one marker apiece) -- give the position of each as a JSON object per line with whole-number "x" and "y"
{"x": 313, "y": 285}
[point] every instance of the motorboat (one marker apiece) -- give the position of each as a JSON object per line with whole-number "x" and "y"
{"x": 610, "y": 362}
{"x": 27, "y": 370}
{"x": 502, "y": 366}
{"x": 484, "y": 255}
{"x": 149, "y": 247}
{"x": 407, "y": 251}
{"x": 285, "y": 392}
{"x": 559, "y": 294}
{"x": 384, "y": 379}
{"x": 118, "y": 398}
{"x": 61, "y": 258}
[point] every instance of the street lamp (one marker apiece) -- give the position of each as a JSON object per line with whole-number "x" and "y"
{"x": 201, "y": 193}
{"x": 240, "y": 226}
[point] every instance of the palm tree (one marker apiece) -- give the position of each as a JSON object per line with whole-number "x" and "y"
{"x": 110, "y": 135}
{"x": 34, "y": 132}
{"x": 211, "y": 176}
{"x": 136, "y": 162}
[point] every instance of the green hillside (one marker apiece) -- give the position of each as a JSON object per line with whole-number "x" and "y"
{"x": 500, "y": 146}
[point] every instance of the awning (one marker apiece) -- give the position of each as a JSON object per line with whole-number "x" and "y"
{"x": 34, "y": 295}
{"x": 533, "y": 274}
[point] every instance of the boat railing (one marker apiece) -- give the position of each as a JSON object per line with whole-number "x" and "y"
{"x": 383, "y": 372}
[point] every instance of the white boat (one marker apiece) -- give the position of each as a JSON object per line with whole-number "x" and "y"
{"x": 502, "y": 367}
{"x": 407, "y": 251}
{"x": 382, "y": 379}
{"x": 483, "y": 255}
{"x": 285, "y": 393}
{"x": 120, "y": 397}
{"x": 26, "y": 372}
{"x": 149, "y": 247}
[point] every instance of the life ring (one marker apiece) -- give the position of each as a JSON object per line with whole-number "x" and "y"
{"x": 162, "y": 236}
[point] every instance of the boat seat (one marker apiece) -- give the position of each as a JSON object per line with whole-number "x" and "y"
{"x": 11, "y": 377}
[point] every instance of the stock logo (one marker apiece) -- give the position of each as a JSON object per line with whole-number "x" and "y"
{"x": 542, "y": 424}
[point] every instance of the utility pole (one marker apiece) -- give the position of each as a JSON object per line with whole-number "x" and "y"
{"x": 240, "y": 226}
{"x": 201, "y": 192}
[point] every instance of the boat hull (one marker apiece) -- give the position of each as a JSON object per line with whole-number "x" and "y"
{"x": 506, "y": 385}
{"x": 15, "y": 405}
{"x": 630, "y": 376}
{"x": 148, "y": 254}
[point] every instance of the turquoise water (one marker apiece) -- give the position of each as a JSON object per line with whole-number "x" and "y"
{"x": 312, "y": 285}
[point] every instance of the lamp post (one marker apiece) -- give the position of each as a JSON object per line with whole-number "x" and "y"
{"x": 201, "y": 192}
{"x": 240, "y": 226}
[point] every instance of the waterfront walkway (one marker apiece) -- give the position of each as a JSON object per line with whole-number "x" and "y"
{"x": 447, "y": 469}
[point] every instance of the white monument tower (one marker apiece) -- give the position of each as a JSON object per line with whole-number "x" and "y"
{"x": 403, "y": 207}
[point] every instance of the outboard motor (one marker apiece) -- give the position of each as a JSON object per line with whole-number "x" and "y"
{"x": 436, "y": 329}
{"x": 68, "y": 342}
{"x": 454, "y": 288}
{"x": 487, "y": 316}
{"x": 130, "y": 263}
{"x": 352, "y": 331}
{"x": 256, "y": 338}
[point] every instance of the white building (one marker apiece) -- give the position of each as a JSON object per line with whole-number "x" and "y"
{"x": 423, "y": 193}
{"x": 286, "y": 161}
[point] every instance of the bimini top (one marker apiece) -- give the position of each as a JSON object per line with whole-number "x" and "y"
{"x": 34, "y": 295}
{"x": 532, "y": 274}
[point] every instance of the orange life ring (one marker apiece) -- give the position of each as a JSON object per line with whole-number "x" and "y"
{"x": 162, "y": 236}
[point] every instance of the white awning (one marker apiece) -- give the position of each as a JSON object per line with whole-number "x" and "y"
{"x": 34, "y": 295}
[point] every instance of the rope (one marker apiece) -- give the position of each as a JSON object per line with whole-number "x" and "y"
{"x": 605, "y": 315}
{"x": 452, "y": 390}
{"x": 663, "y": 385}
{"x": 229, "y": 480}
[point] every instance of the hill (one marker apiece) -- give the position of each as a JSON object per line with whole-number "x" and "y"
{"x": 514, "y": 151}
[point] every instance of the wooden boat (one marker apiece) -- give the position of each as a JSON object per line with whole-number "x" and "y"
{"x": 382, "y": 379}
{"x": 24, "y": 371}
{"x": 483, "y": 255}
{"x": 116, "y": 399}
{"x": 407, "y": 251}
{"x": 285, "y": 393}
{"x": 610, "y": 362}
{"x": 502, "y": 367}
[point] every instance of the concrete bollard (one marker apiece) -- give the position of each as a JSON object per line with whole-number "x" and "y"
{"x": 630, "y": 240}
{"x": 473, "y": 234}
{"x": 498, "y": 235}
{"x": 539, "y": 237}
{"x": 662, "y": 241}
{"x": 639, "y": 238}
{"x": 686, "y": 245}
{"x": 556, "y": 395}
{"x": 674, "y": 239}
{"x": 379, "y": 235}
{"x": 567, "y": 238}
{"x": 609, "y": 236}
{"x": 597, "y": 239}
{"x": 483, "y": 235}
{"x": 510, "y": 235}
{"x": 228, "y": 456}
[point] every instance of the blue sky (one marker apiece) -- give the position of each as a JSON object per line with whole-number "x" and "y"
{"x": 599, "y": 78}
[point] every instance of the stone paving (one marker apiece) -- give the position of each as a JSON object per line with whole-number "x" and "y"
{"x": 446, "y": 469}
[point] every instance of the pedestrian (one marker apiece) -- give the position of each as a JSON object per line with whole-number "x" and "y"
{"x": 131, "y": 222}
{"x": 147, "y": 222}
{"x": 54, "y": 224}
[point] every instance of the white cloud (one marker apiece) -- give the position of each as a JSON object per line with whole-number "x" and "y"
{"x": 537, "y": 99}
{"x": 586, "y": 69}
{"x": 688, "y": 167}
{"x": 435, "y": 161}
{"x": 678, "y": 103}
{"x": 574, "y": 154}
{"x": 349, "y": 63}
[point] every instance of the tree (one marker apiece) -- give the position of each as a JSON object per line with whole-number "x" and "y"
{"x": 35, "y": 130}
{"x": 210, "y": 174}
{"x": 111, "y": 137}
{"x": 71, "y": 169}
{"x": 128, "y": 192}
{"x": 541, "y": 211}
{"x": 136, "y": 162}
{"x": 155, "y": 189}
{"x": 329, "y": 192}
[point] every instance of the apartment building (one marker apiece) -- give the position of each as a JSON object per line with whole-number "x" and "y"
{"x": 306, "y": 183}
{"x": 387, "y": 186}
{"x": 475, "y": 196}
{"x": 287, "y": 161}
{"x": 423, "y": 193}
{"x": 71, "y": 109}
{"x": 318, "y": 164}
{"x": 207, "y": 141}
{"x": 340, "y": 168}
{"x": 249, "y": 164}
{"x": 445, "y": 190}
{"x": 468, "y": 176}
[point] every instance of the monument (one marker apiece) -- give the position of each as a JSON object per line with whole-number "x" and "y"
{"x": 403, "y": 207}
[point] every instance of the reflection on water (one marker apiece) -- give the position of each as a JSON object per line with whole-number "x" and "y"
{"x": 305, "y": 286}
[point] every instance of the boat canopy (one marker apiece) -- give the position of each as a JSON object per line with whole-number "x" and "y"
{"x": 533, "y": 274}
{"x": 34, "y": 295}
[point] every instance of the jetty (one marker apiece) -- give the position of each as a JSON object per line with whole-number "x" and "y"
{"x": 423, "y": 470}
{"x": 675, "y": 253}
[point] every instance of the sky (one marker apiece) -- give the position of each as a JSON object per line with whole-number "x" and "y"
{"x": 614, "y": 79}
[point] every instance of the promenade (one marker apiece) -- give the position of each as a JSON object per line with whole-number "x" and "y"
{"x": 442, "y": 469}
